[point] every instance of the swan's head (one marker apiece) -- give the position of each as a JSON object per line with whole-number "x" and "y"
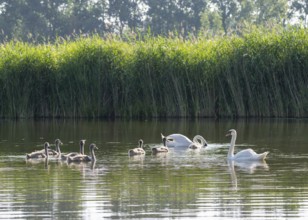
{"x": 93, "y": 146}
{"x": 82, "y": 142}
{"x": 231, "y": 132}
{"x": 140, "y": 143}
{"x": 46, "y": 145}
{"x": 205, "y": 143}
{"x": 164, "y": 141}
{"x": 58, "y": 142}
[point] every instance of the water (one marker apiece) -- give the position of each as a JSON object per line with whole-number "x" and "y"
{"x": 180, "y": 185}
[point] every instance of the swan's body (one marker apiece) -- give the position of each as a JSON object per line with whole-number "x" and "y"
{"x": 138, "y": 150}
{"x": 247, "y": 154}
{"x": 198, "y": 143}
{"x": 83, "y": 157}
{"x": 39, "y": 154}
{"x": 73, "y": 154}
{"x": 179, "y": 140}
{"x": 161, "y": 149}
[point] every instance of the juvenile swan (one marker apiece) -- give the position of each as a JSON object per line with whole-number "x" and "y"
{"x": 84, "y": 158}
{"x": 73, "y": 154}
{"x": 162, "y": 149}
{"x": 138, "y": 150}
{"x": 247, "y": 154}
{"x": 39, "y": 154}
{"x": 58, "y": 143}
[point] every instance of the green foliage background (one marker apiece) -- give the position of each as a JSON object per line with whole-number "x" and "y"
{"x": 257, "y": 75}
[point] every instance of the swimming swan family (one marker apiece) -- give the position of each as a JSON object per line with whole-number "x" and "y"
{"x": 173, "y": 140}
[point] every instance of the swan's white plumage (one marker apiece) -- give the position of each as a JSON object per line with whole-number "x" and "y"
{"x": 198, "y": 143}
{"x": 247, "y": 154}
{"x": 179, "y": 141}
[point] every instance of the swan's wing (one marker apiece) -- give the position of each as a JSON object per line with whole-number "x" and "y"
{"x": 246, "y": 154}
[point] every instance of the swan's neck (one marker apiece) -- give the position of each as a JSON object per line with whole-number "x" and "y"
{"x": 93, "y": 155}
{"x": 46, "y": 152}
{"x": 81, "y": 149}
{"x": 231, "y": 149}
{"x": 58, "y": 149}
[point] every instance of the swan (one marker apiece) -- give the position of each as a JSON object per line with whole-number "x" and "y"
{"x": 51, "y": 152}
{"x": 198, "y": 143}
{"x": 138, "y": 150}
{"x": 179, "y": 140}
{"x": 83, "y": 157}
{"x": 58, "y": 143}
{"x": 39, "y": 154}
{"x": 247, "y": 154}
{"x": 162, "y": 149}
{"x": 73, "y": 154}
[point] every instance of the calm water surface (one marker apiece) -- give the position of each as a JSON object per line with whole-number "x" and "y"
{"x": 179, "y": 185}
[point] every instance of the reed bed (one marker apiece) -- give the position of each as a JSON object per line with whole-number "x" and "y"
{"x": 258, "y": 75}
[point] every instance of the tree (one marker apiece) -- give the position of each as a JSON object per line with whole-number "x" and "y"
{"x": 271, "y": 12}
{"x": 299, "y": 11}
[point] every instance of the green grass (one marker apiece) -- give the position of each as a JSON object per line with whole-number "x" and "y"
{"x": 258, "y": 75}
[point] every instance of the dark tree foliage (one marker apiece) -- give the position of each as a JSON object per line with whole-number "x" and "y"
{"x": 45, "y": 20}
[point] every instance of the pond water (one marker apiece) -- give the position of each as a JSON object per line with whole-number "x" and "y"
{"x": 180, "y": 185}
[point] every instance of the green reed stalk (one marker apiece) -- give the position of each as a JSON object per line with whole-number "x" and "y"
{"x": 258, "y": 75}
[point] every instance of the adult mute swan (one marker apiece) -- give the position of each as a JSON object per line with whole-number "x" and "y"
{"x": 138, "y": 150}
{"x": 198, "y": 143}
{"x": 161, "y": 149}
{"x": 83, "y": 157}
{"x": 39, "y": 154}
{"x": 247, "y": 154}
{"x": 179, "y": 140}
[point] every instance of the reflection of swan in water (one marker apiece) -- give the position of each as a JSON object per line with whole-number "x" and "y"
{"x": 247, "y": 166}
{"x": 179, "y": 140}
{"x": 247, "y": 154}
{"x": 161, "y": 149}
{"x": 138, "y": 150}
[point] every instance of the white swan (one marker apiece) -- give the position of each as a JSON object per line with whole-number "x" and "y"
{"x": 138, "y": 150}
{"x": 39, "y": 154}
{"x": 83, "y": 157}
{"x": 179, "y": 140}
{"x": 247, "y": 154}
{"x": 198, "y": 143}
{"x": 161, "y": 149}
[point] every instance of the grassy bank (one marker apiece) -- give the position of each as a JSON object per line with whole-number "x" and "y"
{"x": 258, "y": 75}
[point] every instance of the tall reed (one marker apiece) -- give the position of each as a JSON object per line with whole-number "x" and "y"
{"x": 258, "y": 75}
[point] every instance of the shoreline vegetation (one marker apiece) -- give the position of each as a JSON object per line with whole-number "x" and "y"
{"x": 256, "y": 75}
